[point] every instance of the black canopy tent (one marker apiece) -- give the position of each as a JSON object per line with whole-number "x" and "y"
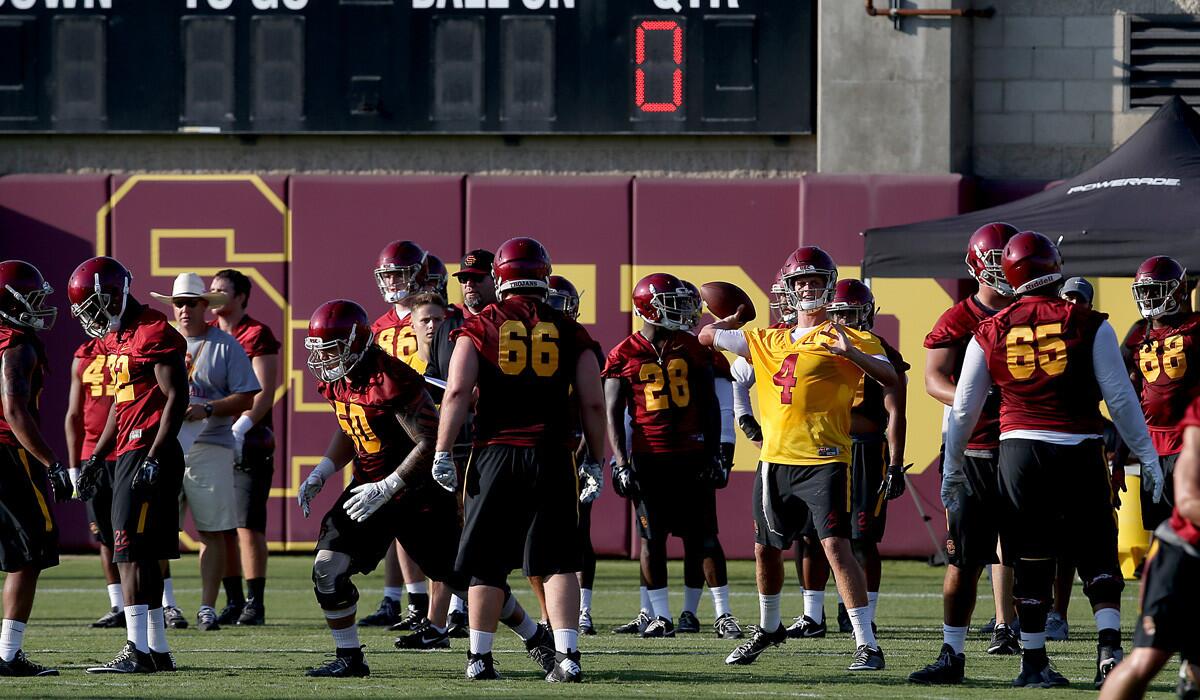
{"x": 1142, "y": 200}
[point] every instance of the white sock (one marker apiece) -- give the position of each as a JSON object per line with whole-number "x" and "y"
{"x": 457, "y": 604}
{"x": 861, "y": 619}
{"x": 420, "y": 587}
{"x": 691, "y": 599}
{"x": 1108, "y": 619}
{"x": 396, "y": 593}
{"x": 720, "y": 596}
{"x": 660, "y": 603}
{"x": 956, "y": 637}
{"x": 11, "y": 636}
{"x": 768, "y": 611}
{"x": 1033, "y": 640}
{"x": 136, "y": 626}
{"x": 814, "y": 605}
{"x": 585, "y": 599}
{"x": 566, "y": 641}
{"x": 481, "y": 642}
{"x": 647, "y": 607}
{"x": 346, "y": 638}
{"x": 526, "y": 630}
{"x": 872, "y": 602}
{"x": 156, "y": 631}
{"x": 168, "y": 593}
{"x": 116, "y": 596}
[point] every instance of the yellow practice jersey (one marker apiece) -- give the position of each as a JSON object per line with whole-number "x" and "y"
{"x": 805, "y": 393}
{"x": 414, "y": 360}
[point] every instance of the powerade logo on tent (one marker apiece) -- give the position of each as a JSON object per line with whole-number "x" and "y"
{"x": 1126, "y": 182}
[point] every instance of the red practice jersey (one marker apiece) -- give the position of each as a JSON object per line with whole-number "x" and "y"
{"x": 15, "y": 337}
{"x": 257, "y": 340}
{"x": 1168, "y": 363}
{"x": 668, "y": 405}
{"x": 1182, "y": 526}
{"x": 395, "y": 335}
{"x": 527, "y": 357}
{"x": 366, "y": 403}
{"x": 1039, "y": 353}
{"x": 954, "y": 330}
{"x": 132, "y": 354}
{"x": 868, "y": 400}
{"x": 98, "y": 391}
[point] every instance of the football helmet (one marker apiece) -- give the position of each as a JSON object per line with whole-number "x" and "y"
{"x": 563, "y": 296}
{"x": 662, "y": 299}
{"x": 23, "y": 293}
{"x": 808, "y": 260}
{"x": 339, "y": 334}
{"x": 853, "y": 304}
{"x": 985, "y": 251}
{"x": 521, "y": 263}
{"x": 407, "y": 264}
{"x": 781, "y": 310}
{"x": 436, "y": 276}
{"x": 98, "y": 291}
{"x": 1031, "y": 261}
{"x": 1159, "y": 287}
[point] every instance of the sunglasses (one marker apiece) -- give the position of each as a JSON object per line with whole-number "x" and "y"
{"x": 185, "y": 303}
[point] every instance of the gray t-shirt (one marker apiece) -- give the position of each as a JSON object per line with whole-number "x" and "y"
{"x": 217, "y": 367}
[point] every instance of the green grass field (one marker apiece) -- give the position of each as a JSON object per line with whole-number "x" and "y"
{"x": 269, "y": 661}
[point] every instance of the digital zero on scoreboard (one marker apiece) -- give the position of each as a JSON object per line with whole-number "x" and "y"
{"x": 405, "y": 66}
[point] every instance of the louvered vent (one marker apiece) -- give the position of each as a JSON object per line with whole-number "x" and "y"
{"x": 1164, "y": 60}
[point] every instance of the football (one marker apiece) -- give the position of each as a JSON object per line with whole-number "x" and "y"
{"x": 724, "y": 299}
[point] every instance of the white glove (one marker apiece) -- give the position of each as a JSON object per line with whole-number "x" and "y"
{"x": 240, "y": 427}
{"x": 1152, "y": 480}
{"x": 444, "y": 471}
{"x": 73, "y": 472}
{"x": 955, "y": 490}
{"x": 368, "y": 498}
{"x": 314, "y": 483}
{"x": 591, "y": 481}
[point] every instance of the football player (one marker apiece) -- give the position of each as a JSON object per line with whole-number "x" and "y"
{"x": 1052, "y": 361}
{"x": 806, "y": 379}
{"x": 973, "y": 530}
{"x": 145, "y": 362}
{"x": 524, "y": 359}
{"x": 30, "y": 473}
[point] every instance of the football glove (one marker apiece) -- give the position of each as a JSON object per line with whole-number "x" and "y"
{"x": 1152, "y": 481}
{"x": 89, "y": 478}
{"x": 893, "y": 484}
{"x": 591, "y": 480}
{"x": 717, "y": 473}
{"x": 146, "y": 475}
{"x": 444, "y": 471}
{"x": 60, "y": 479}
{"x": 624, "y": 482}
{"x": 750, "y": 427}
{"x": 240, "y": 427}
{"x": 955, "y": 490}
{"x": 368, "y": 498}
{"x": 314, "y": 483}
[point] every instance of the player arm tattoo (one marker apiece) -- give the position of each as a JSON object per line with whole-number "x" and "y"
{"x": 1187, "y": 476}
{"x": 895, "y": 402}
{"x": 939, "y": 373}
{"x": 73, "y": 421}
{"x": 18, "y": 365}
{"x": 420, "y": 421}
{"x": 614, "y": 400}
{"x": 172, "y": 382}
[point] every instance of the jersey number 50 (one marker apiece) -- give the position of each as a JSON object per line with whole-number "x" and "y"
{"x": 521, "y": 347}
{"x": 1036, "y": 347}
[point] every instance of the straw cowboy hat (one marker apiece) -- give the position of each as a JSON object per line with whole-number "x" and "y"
{"x": 189, "y": 286}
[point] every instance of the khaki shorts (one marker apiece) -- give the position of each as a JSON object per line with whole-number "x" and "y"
{"x": 208, "y": 488}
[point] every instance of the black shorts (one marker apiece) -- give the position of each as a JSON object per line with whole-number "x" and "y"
{"x": 146, "y": 524}
{"x": 424, "y": 521}
{"x": 99, "y": 507}
{"x": 868, "y": 503}
{"x": 521, "y": 508}
{"x": 785, "y": 495}
{"x": 1153, "y": 514}
{"x": 585, "y": 527}
{"x": 1059, "y": 502}
{"x": 252, "y": 487}
{"x": 673, "y": 500}
{"x": 1170, "y": 607}
{"x": 28, "y": 533}
{"x": 972, "y": 532}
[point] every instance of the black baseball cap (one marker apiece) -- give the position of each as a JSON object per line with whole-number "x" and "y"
{"x": 476, "y": 262}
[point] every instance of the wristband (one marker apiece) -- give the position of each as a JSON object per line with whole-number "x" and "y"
{"x": 393, "y": 482}
{"x": 325, "y": 468}
{"x": 242, "y": 426}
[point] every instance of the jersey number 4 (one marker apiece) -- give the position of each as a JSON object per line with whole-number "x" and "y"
{"x": 785, "y": 378}
{"x": 1030, "y": 348}
{"x": 536, "y": 348}
{"x": 1172, "y": 361}
{"x": 675, "y": 381}
{"x": 96, "y": 379}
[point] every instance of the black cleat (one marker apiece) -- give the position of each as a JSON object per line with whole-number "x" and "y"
{"x": 804, "y": 627}
{"x": 230, "y": 613}
{"x": 128, "y": 660}
{"x": 1186, "y": 688}
{"x": 413, "y": 618}
{"x": 1036, "y": 672}
{"x": 843, "y": 619}
{"x": 424, "y": 638}
{"x": 480, "y": 667}
{"x": 173, "y": 618}
{"x": 949, "y": 669}
{"x": 406, "y": 626}
{"x": 867, "y": 659}
{"x": 206, "y": 620}
{"x": 22, "y": 667}
{"x": 540, "y": 648}
{"x": 386, "y": 615}
{"x": 635, "y": 626}
{"x": 688, "y": 623}
{"x": 748, "y": 651}
{"x": 566, "y": 668}
{"x": 727, "y": 627}
{"x": 457, "y": 625}
{"x": 111, "y": 619}
{"x": 164, "y": 661}
{"x": 1005, "y": 641}
{"x": 252, "y": 614}
{"x": 1107, "y": 659}
{"x": 346, "y": 663}
{"x": 585, "y": 622}
{"x": 659, "y": 629}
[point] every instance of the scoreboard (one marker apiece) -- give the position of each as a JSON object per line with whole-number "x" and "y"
{"x": 408, "y": 66}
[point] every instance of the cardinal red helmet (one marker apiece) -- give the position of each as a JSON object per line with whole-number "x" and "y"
{"x": 339, "y": 334}
{"x": 804, "y": 261}
{"x": 853, "y": 304}
{"x": 436, "y": 275}
{"x": 563, "y": 296}
{"x": 1159, "y": 287}
{"x": 1031, "y": 261}
{"x": 405, "y": 265}
{"x": 781, "y": 310}
{"x": 520, "y": 264}
{"x": 98, "y": 291}
{"x": 663, "y": 299}
{"x": 23, "y": 293}
{"x": 985, "y": 249}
